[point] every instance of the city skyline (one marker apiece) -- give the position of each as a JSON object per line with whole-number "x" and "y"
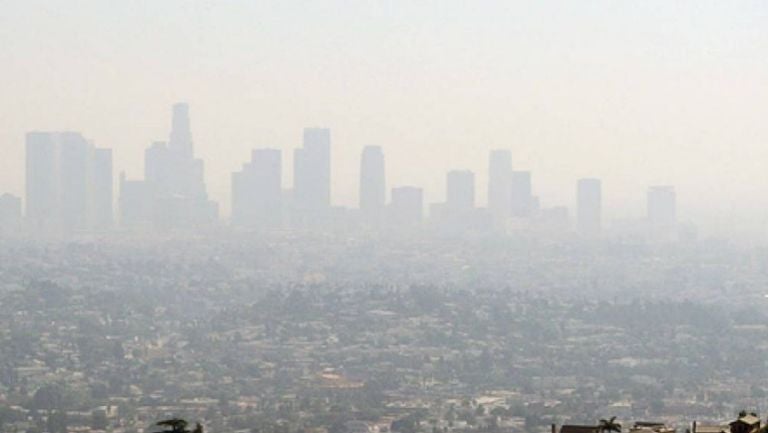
{"x": 383, "y": 216}
{"x": 637, "y": 95}
{"x": 482, "y": 187}
{"x": 288, "y": 181}
{"x": 71, "y": 182}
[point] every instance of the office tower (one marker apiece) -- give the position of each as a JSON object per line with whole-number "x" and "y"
{"x": 460, "y": 191}
{"x": 175, "y": 184}
{"x": 180, "y": 141}
{"x": 257, "y": 191}
{"x": 662, "y": 212}
{"x": 42, "y": 181}
{"x": 313, "y": 184}
{"x": 158, "y": 169}
{"x": 74, "y": 161}
{"x": 499, "y": 184}
{"x": 101, "y": 186}
{"x": 69, "y": 182}
{"x": 372, "y": 183}
{"x": 312, "y": 175}
{"x": 10, "y": 214}
{"x": 588, "y": 206}
{"x": 521, "y": 195}
{"x": 406, "y": 206}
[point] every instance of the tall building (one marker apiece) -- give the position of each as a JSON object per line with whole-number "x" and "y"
{"x": 406, "y": 206}
{"x": 175, "y": 184}
{"x": 459, "y": 191}
{"x": 74, "y": 162}
{"x": 257, "y": 190}
{"x": 101, "y": 187}
{"x": 180, "y": 140}
{"x": 500, "y": 184}
{"x": 521, "y": 194}
{"x": 662, "y": 207}
{"x": 372, "y": 183}
{"x": 158, "y": 168}
{"x": 10, "y": 214}
{"x": 69, "y": 182}
{"x": 42, "y": 181}
{"x": 588, "y": 206}
{"x": 312, "y": 175}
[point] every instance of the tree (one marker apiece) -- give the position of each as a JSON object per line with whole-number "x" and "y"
{"x": 177, "y": 425}
{"x": 609, "y": 425}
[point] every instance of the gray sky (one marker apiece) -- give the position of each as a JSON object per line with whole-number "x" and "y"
{"x": 636, "y": 93}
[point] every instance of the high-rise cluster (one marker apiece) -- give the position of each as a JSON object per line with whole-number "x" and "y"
{"x": 68, "y": 183}
{"x": 69, "y": 187}
{"x": 373, "y": 184}
{"x": 172, "y": 193}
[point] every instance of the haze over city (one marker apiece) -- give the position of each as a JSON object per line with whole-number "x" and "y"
{"x": 383, "y": 216}
{"x": 636, "y": 95}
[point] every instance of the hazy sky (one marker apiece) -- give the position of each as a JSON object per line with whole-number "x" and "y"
{"x": 634, "y": 92}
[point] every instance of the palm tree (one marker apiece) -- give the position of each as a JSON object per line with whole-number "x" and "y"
{"x": 177, "y": 425}
{"x": 609, "y": 425}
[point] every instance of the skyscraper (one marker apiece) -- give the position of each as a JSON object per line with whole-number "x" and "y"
{"x": 42, "y": 181}
{"x": 460, "y": 191}
{"x": 74, "y": 165}
{"x": 175, "y": 180}
{"x": 69, "y": 182}
{"x": 521, "y": 194}
{"x": 101, "y": 186}
{"x": 406, "y": 206}
{"x": 257, "y": 190}
{"x": 312, "y": 175}
{"x": 372, "y": 183}
{"x": 158, "y": 169}
{"x": 500, "y": 184}
{"x": 180, "y": 141}
{"x": 588, "y": 206}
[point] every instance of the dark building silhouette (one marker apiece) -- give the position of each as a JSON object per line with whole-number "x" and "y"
{"x": 746, "y": 423}
{"x": 257, "y": 196}
{"x": 372, "y": 184}
{"x": 589, "y": 206}
{"x": 500, "y": 184}
{"x": 521, "y": 195}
